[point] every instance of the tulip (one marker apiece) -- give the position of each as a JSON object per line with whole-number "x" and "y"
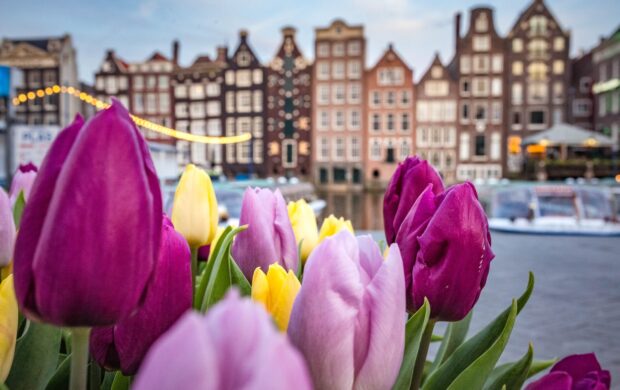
{"x": 574, "y": 372}
{"x": 22, "y": 182}
{"x": 234, "y": 346}
{"x": 409, "y": 180}
{"x": 8, "y": 326}
{"x": 90, "y": 233}
{"x": 269, "y": 237}
{"x": 332, "y": 225}
{"x": 349, "y": 317}
{"x": 304, "y": 225}
{"x": 446, "y": 250}
{"x": 276, "y": 290}
{"x": 7, "y": 230}
{"x": 206, "y": 251}
{"x": 169, "y": 295}
{"x": 194, "y": 211}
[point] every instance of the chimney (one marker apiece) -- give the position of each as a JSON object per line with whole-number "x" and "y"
{"x": 457, "y": 30}
{"x": 175, "y": 52}
{"x": 109, "y": 53}
{"x": 288, "y": 32}
{"x": 222, "y": 54}
{"x": 390, "y": 46}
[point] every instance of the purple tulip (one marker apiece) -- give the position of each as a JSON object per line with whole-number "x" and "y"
{"x": 575, "y": 372}
{"x": 7, "y": 230}
{"x": 168, "y": 296}
{"x": 90, "y": 232}
{"x": 409, "y": 180}
{"x": 349, "y": 317}
{"x": 269, "y": 238}
{"x": 235, "y": 346}
{"x": 446, "y": 249}
{"x": 22, "y": 181}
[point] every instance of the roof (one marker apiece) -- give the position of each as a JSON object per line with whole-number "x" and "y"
{"x": 157, "y": 56}
{"x": 565, "y": 134}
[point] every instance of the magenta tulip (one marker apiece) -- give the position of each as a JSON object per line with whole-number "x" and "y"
{"x": 269, "y": 238}
{"x": 575, "y": 372}
{"x": 168, "y": 296}
{"x": 349, "y": 317}
{"x": 22, "y": 181}
{"x": 7, "y": 230}
{"x": 409, "y": 180}
{"x": 90, "y": 232}
{"x": 446, "y": 248}
{"x": 235, "y": 346}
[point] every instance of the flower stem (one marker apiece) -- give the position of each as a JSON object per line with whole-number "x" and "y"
{"x": 79, "y": 358}
{"x": 418, "y": 369}
{"x": 194, "y": 269}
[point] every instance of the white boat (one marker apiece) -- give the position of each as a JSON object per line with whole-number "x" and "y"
{"x": 554, "y": 209}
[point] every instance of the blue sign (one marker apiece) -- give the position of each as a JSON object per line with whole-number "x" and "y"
{"x": 5, "y": 81}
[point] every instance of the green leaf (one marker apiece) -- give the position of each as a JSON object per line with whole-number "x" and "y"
{"x": 453, "y": 338}
{"x": 60, "y": 379}
{"x": 3, "y": 387}
{"x": 36, "y": 357}
{"x": 18, "y": 208}
{"x": 511, "y": 375}
{"x": 204, "y": 277}
{"x": 471, "y": 363}
{"x": 413, "y": 336}
{"x": 540, "y": 365}
{"x": 300, "y": 263}
{"x": 435, "y": 338}
{"x": 121, "y": 382}
{"x": 108, "y": 379}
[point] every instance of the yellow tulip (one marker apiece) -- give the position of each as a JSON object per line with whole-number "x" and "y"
{"x": 276, "y": 291}
{"x": 304, "y": 225}
{"x": 332, "y": 225}
{"x": 8, "y": 326}
{"x": 194, "y": 212}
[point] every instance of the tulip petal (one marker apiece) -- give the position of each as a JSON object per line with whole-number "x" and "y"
{"x": 8, "y": 326}
{"x": 7, "y": 230}
{"x": 555, "y": 381}
{"x": 577, "y": 366}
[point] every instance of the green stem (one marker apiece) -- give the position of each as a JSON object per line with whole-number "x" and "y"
{"x": 420, "y": 360}
{"x": 194, "y": 269}
{"x": 79, "y": 358}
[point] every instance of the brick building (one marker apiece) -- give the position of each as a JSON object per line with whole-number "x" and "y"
{"x": 606, "y": 87}
{"x": 580, "y": 98}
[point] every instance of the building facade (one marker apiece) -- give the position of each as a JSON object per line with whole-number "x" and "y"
{"x": 606, "y": 87}
{"x": 338, "y": 105}
{"x": 44, "y": 63}
{"x": 580, "y": 98}
{"x": 244, "y": 91}
{"x": 388, "y": 138}
{"x": 289, "y": 111}
{"x": 145, "y": 88}
{"x": 538, "y": 72}
{"x": 436, "y": 118}
{"x": 198, "y": 109}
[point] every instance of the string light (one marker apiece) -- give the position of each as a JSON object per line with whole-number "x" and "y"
{"x": 100, "y": 105}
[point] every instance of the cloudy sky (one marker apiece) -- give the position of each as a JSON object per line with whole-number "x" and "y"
{"x": 136, "y": 28}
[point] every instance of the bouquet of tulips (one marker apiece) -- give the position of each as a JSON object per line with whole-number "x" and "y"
{"x": 101, "y": 290}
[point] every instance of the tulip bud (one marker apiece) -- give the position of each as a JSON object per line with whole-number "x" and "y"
{"x": 409, "y": 180}
{"x": 8, "y": 326}
{"x": 574, "y": 372}
{"x": 269, "y": 237}
{"x": 168, "y": 296}
{"x": 22, "y": 182}
{"x": 332, "y": 225}
{"x": 7, "y": 230}
{"x": 304, "y": 225}
{"x": 235, "y": 346}
{"x": 194, "y": 211}
{"x": 349, "y": 317}
{"x": 276, "y": 291}
{"x": 90, "y": 232}
{"x": 446, "y": 249}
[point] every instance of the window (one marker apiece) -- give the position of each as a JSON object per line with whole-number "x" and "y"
{"x": 517, "y": 93}
{"x": 49, "y": 78}
{"x": 517, "y": 45}
{"x": 323, "y": 70}
{"x": 582, "y": 107}
{"x": 151, "y": 82}
{"x": 163, "y": 82}
{"x": 213, "y": 89}
{"x": 244, "y": 78}
{"x": 481, "y": 86}
{"x": 257, "y": 100}
{"x": 100, "y": 83}
{"x": 375, "y": 98}
{"x": 496, "y": 86}
{"x": 138, "y": 82}
{"x": 482, "y": 43}
{"x": 323, "y": 94}
{"x": 180, "y": 91}
{"x": 405, "y": 98}
{"x": 164, "y": 102}
{"x": 585, "y": 83}
{"x": 390, "y": 98}
{"x": 196, "y": 91}
{"x": 465, "y": 64}
{"x": 464, "y": 111}
{"x": 122, "y": 83}
{"x": 110, "y": 85}
{"x": 244, "y": 101}
{"x": 323, "y": 119}
{"x": 338, "y": 49}
{"x": 538, "y": 48}
{"x": 354, "y": 48}
{"x": 339, "y": 120}
{"x": 214, "y": 127}
{"x": 390, "y": 76}
{"x": 537, "y": 71}
{"x": 323, "y": 150}
{"x": 479, "y": 149}
{"x": 257, "y": 76}
{"x": 558, "y": 67}
{"x": 436, "y": 72}
{"x": 339, "y": 148}
{"x": 354, "y": 70}
{"x": 496, "y": 112}
{"x": 405, "y": 149}
{"x": 482, "y": 23}
{"x": 390, "y": 122}
{"x": 213, "y": 108}
{"x": 338, "y": 70}
{"x": 436, "y": 88}
{"x": 464, "y": 147}
{"x": 230, "y": 102}
{"x": 537, "y": 92}
{"x": 497, "y": 63}
{"x": 558, "y": 44}
{"x": 355, "y": 93}
{"x": 376, "y": 122}
{"x": 339, "y": 94}
{"x": 138, "y": 102}
{"x": 495, "y": 146}
{"x": 197, "y": 110}
{"x": 230, "y": 77}
{"x": 449, "y": 136}
{"x": 558, "y": 115}
{"x": 517, "y": 68}
{"x": 323, "y": 49}
{"x": 354, "y": 120}
{"x": 354, "y": 149}
{"x": 558, "y": 92}
{"x": 538, "y": 25}
{"x": 537, "y": 117}
{"x": 375, "y": 149}
{"x": 405, "y": 123}
{"x": 481, "y": 112}
{"x": 516, "y": 118}
{"x": 465, "y": 87}
{"x": 481, "y": 64}
{"x": 181, "y": 110}
{"x": 422, "y": 111}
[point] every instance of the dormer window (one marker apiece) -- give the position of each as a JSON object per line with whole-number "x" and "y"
{"x": 482, "y": 23}
{"x": 244, "y": 58}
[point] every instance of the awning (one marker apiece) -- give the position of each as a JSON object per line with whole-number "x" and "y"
{"x": 570, "y": 135}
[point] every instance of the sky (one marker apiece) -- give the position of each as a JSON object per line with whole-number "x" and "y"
{"x": 137, "y": 28}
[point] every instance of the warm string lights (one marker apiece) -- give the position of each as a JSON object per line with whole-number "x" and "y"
{"x": 100, "y": 105}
